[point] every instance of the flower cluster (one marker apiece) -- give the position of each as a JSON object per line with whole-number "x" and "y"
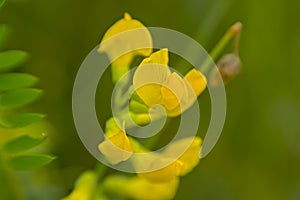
{"x": 154, "y": 83}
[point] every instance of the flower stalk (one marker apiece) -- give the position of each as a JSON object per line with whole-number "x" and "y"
{"x": 233, "y": 33}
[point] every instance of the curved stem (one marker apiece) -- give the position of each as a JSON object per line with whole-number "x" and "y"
{"x": 232, "y": 33}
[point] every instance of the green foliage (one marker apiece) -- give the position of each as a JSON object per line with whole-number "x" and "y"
{"x": 23, "y": 142}
{"x": 18, "y": 98}
{"x": 11, "y": 81}
{"x": 20, "y": 120}
{"x": 10, "y": 60}
{"x": 29, "y": 162}
{"x": 16, "y": 92}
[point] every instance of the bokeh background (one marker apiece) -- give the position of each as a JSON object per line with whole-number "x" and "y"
{"x": 258, "y": 154}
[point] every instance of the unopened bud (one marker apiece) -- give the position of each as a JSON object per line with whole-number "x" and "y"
{"x": 138, "y": 107}
{"x": 140, "y": 119}
{"x": 228, "y": 67}
{"x": 112, "y": 127}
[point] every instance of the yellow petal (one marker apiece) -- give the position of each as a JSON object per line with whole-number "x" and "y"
{"x": 141, "y": 189}
{"x": 150, "y": 94}
{"x": 150, "y": 75}
{"x": 84, "y": 188}
{"x": 159, "y": 57}
{"x": 196, "y": 80}
{"x": 136, "y": 188}
{"x": 127, "y": 42}
{"x": 173, "y": 91}
{"x": 153, "y": 69}
{"x": 116, "y": 148}
{"x": 165, "y": 174}
{"x": 190, "y": 158}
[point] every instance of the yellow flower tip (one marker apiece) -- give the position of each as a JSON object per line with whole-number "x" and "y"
{"x": 174, "y": 91}
{"x": 124, "y": 43}
{"x": 116, "y": 148}
{"x": 127, "y": 16}
{"x": 170, "y": 99}
{"x": 190, "y": 158}
{"x": 196, "y": 80}
{"x": 139, "y": 188}
{"x": 165, "y": 174}
{"x": 160, "y": 57}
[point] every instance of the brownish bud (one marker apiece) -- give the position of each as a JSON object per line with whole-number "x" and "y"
{"x": 228, "y": 67}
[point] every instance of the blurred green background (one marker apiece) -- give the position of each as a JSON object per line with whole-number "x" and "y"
{"x": 258, "y": 154}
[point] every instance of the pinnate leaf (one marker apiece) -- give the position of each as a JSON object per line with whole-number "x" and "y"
{"x": 30, "y": 161}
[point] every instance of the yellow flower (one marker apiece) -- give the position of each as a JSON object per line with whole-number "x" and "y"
{"x": 165, "y": 174}
{"x": 156, "y": 84}
{"x": 186, "y": 162}
{"x": 137, "y": 188}
{"x": 145, "y": 160}
{"x": 84, "y": 187}
{"x": 116, "y": 147}
{"x": 196, "y": 80}
{"x": 190, "y": 158}
{"x": 143, "y": 38}
{"x": 141, "y": 189}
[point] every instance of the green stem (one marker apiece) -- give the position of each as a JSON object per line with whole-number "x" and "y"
{"x": 232, "y": 32}
{"x": 100, "y": 170}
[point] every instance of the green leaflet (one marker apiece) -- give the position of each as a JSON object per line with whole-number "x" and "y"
{"x": 18, "y": 98}
{"x": 10, "y": 60}
{"x": 29, "y": 161}
{"x": 15, "y": 92}
{"x": 11, "y": 81}
{"x": 20, "y": 120}
{"x": 23, "y": 142}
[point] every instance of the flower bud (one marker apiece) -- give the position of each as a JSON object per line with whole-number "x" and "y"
{"x": 140, "y": 119}
{"x": 126, "y": 42}
{"x": 138, "y": 107}
{"x": 228, "y": 67}
{"x": 116, "y": 148}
